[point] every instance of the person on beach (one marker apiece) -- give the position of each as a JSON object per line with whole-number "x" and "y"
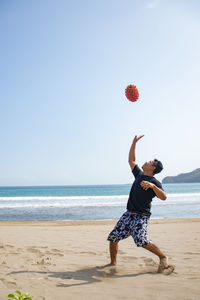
{"x": 134, "y": 222}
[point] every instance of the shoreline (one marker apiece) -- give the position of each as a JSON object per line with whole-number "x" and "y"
{"x": 90, "y": 222}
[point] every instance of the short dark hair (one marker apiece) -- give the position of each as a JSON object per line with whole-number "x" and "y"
{"x": 158, "y": 166}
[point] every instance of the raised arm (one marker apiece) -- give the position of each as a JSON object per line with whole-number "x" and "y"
{"x": 131, "y": 157}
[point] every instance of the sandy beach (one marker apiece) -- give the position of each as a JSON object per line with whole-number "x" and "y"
{"x": 58, "y": 260}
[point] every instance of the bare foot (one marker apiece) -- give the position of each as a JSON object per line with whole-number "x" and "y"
{"x": 163, "y": 264}
{"x": 164, "y": 267}
{"x": 169, "y": 270}
{"x": 105, "y": 266}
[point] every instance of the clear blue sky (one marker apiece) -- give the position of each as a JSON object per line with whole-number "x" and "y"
{"x": 64, "y": 67}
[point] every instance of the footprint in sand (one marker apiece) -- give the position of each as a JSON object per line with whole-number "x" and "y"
{"x": 121, "y": 252}
{"x": 192, "y": 253}
{"x": 4, "y": 264}
{"x": 14, "y": 253}
{"x": 33, "y": 250}
{"x": 149, "y": 262}
{"x": 9, "y": 246}
{"x": 88, "y": 252}
{"x": 44, "y": 261}
{"x": 57, "y": 252}
{"x": 47, "y": 252}
{"x": 10, "y": 284}
{"x": 129, "y": 258}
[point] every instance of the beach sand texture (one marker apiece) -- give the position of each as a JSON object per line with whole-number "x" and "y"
{"x": 58, "y": 261}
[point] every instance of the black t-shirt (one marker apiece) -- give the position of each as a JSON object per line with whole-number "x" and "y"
{"x": 140, "y": 200}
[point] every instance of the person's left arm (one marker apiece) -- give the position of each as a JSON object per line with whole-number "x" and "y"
{"x": 159, "y": 192}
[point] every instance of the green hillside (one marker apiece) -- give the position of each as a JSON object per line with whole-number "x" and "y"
{"x": 193, "y": 176}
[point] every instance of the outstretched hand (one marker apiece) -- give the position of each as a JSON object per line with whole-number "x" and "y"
{"x": 137, "y": 138}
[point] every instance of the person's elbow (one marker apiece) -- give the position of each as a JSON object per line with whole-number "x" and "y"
{"x": 163, "y": 196}
{"x": 131, "y": 164}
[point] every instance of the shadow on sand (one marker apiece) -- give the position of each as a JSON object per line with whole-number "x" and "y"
{"x": 86, "y": 275}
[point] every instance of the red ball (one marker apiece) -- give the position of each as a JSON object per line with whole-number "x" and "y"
{"x": 132, "y": 93}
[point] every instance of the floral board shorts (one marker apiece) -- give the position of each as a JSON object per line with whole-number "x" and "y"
{"x": 131, "y": 224}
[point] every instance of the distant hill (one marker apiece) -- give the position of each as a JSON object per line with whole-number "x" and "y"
{"x": 191, "y": 177}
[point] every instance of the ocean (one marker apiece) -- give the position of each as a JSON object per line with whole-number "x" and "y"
{"x": 92, "y": 202}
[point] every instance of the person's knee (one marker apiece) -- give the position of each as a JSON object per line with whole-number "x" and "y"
{"x": 145, "y": 246}
{"x": 113, "y": 244}
{"x": 142, "y": 242}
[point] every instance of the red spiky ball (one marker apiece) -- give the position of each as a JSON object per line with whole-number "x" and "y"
{"x": 132, "y": 93}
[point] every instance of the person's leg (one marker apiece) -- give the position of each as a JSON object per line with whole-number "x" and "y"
{"x": 113, "y": 253}
{"x": 121, "y": 231}
{"x": 154, "y": 249}
{"x": 140, "y": 236}
{"x": 163, "y": 258}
